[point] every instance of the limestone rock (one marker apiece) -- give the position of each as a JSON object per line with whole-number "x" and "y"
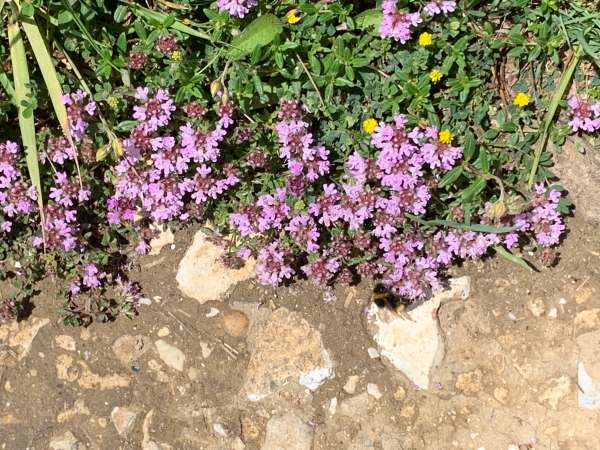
{"x": 66, "y": 441}
{"x": 588, "y": 370}
{"x": 288, "y": 432}
{"x": 164, "y": 237}
{"x": 65, "y": 342}
{"x": 20, "y": 335}
{"x": 170, "y": 355}
{"x": 556, "y": 390}
{"x": 201, "y": 274}
{"x": 350, "y": 386}
{"x": 123, "y": 419}
{"x": 128, "y": 348}
{"x": 414, "y": 346}
{"x": 284, "y": 348}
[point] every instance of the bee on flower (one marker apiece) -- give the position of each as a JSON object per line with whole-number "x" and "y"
{"x": 292, "y": 17}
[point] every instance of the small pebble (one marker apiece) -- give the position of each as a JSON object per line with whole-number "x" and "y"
{"x": 373, "y": 353}
{"x": 373, "y": 391}
{"x": 212, "y": 313}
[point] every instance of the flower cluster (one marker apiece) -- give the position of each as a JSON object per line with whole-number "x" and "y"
{"x": 584, "y": 115}
{"x": 17, "y": 197}
{"x": 79, "y": 112}
{"x": 399, "y": 25}
{"x": 364, "y": 224}
{"x": 163, "y": 173}
{"x": 237, "y": 8}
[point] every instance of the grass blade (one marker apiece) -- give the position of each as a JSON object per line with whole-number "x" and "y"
{"x": 481, "y": 228}
{"x": 22, "y": 95}
{"x": 513, "y": 258}
{"x": 549, "y": 118}
{"x": 149, "y": 14}
{"x": 46, "y": 66}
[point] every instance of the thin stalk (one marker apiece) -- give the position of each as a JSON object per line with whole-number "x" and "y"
{"x": 549, "y": 118}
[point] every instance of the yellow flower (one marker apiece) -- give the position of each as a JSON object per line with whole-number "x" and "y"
{"x": 369, "y": 125}
{"x": 425, "y": 39}
{"x": 521, "y": 99}
{"x": 445, "y": 136}
{"x": 291, "y": 16}
{"x": 112, "y": 101}
{"x": 435, "y": 75}
{"x": 176, "y": 55}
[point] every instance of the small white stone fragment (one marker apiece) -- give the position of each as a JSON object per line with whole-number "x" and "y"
{"x": 212, "y": 313}
{"x": 220, "y": 430}
{"x": 333, "y": 405}
{"x": 171, "y": 355}
{"x": 373, "y": 353}
{"x": 350, "y": 386}
{"x": 553, "y": 313}
{"x": 163, "y": 332}
{"x": 373, "y": 391}
{"x": 588, "y": 394}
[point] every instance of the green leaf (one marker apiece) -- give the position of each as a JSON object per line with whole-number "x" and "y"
{"x": 512, "y": 257}
{"x": 259, "y": 33}
{"x": 26, "y": 124}
{"x": 475, "y": 188}
{"x": 369, "y": 18}
{"x": 64, "y": 16}
{"x": 451, "y": 177}
{"x": 481, "y": 228}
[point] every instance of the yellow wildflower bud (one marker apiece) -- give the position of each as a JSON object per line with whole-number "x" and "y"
{"x": 435, "y": 75}
{"x": 112, "y": 101}
{"x": 176, "y": 55}
{"x": 215, "y": 87}
{"x": 425, "y": 39}
{"x": 369, "y": 125}
{"x": 521, "y": 99}
{"x": 445, "y": 136}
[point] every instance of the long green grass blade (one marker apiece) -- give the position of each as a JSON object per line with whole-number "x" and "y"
{"x": 552, "y": 108}
{"x": 481, "y": 228}
{"x": 149, "y": 14}
{"x": 513, "y": 258}
{"x": 8, "y": 87}
{"x": 46, "y": 66}
{"x": 22, "y": 96}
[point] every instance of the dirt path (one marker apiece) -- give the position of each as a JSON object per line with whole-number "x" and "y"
{"x": 186, "y": 375}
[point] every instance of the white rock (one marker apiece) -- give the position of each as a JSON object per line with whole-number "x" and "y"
{"x": 212, "y": 313}
{"x": 373, "y": 353}
{"x": 288, "y": 432}
{"x": 24, "y": 334}
{"x": 163, "y": 332}
{"x": 350, "y": 386}
{"x": 220, "y": 430}
{"x": 123, "y": 419}
{"x": 588, "y": 370}
{"x": 414, "y": 346}
{"x": 165, "y": 237}
{"x": 201, "y": 274}
{"x": 66, "y": 441}
{"x": 373, "y": 391}
{"x": 171, "y": 355}
{"x": 333, "y": 405}
{"x": 553, "y": 313}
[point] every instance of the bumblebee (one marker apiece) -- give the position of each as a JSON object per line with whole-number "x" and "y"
{"x": 384, "y": 298}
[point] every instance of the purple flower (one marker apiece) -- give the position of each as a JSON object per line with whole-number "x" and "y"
{"x": 92, "y": 276}
{"x": 436, "y": 7}
{"x": 396, "y": 24}
{"x": 156, "y": 111}
{"x": 304, "y": 231}
{"x": 584, "y": 116}
{"x": 271, "y": 266}
{"x": 79, "y": 112}
{"x": 237, "y": 8}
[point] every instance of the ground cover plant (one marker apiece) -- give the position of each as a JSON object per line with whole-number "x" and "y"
{"x": 330, "y": 140}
